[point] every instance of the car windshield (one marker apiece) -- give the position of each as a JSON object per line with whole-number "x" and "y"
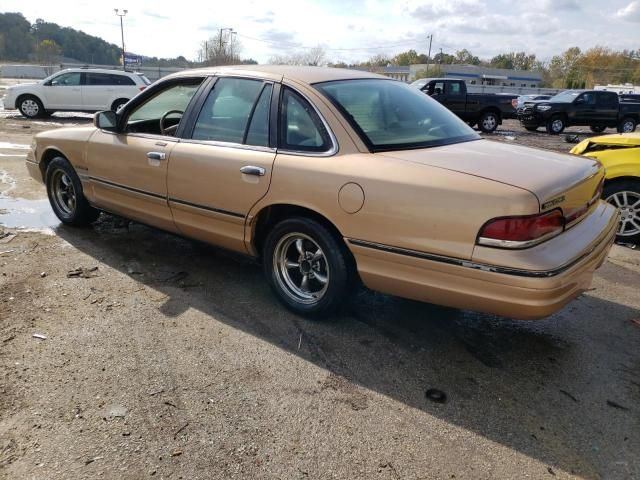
{"x": 390, "y": 115}
{"x": 567, "y": 96}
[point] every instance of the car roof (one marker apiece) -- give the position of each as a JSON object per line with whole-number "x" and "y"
{"x": 303, "y": 74}
{"x": 98, "y": 70}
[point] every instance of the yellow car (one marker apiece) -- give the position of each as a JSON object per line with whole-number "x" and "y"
{"x": 620, "y": 155}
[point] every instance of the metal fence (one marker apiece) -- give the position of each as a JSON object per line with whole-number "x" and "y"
{"x": 41, "y": 71}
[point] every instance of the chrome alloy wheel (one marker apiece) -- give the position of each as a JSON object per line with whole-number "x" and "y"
{"x": 628, "y": 126}
{"x": 301, "y": 268}
{"x": 30, "y": 107}
{"x": 557, "y": 125}
{"x": 629, "y": 204}
{"x": 489, "y": 122}
{"x": 63, "y": 192}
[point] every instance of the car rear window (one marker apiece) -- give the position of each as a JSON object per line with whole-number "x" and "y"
{"x": 390, "y": 115}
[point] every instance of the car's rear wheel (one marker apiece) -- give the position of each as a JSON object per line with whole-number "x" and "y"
{"x": 31, "y": 107}
{"x": 489, "y": 122}
{"x": 625, "y": 195}
{"x": 115, "y": 106}
{"x": 597, "y": 128}
{"x": 64, "y": 190}
{"x": 306, "y": 266}
{"x": 556, "y": 125}
{"x": 627, "y": 125}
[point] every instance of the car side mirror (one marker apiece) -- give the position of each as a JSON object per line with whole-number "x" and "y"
{"x": 106, "y": 120}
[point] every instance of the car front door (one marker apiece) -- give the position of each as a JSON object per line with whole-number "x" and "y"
{"x": 223, "y": 165}
{"x": 127, "y": 169}
{"x": 584, "y": 109}
{"x": 64, "y": 92}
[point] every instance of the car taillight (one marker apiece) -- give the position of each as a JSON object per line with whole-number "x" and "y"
{"x": 514, "y": 103}
{"x": 521, "y": 231}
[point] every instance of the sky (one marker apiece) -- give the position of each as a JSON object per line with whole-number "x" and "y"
{"x": 350, "y": 30}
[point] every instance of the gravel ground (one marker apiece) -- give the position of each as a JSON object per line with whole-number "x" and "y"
{"x": 167, "y": 358}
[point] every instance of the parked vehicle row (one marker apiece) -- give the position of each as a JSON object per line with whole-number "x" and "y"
{"x": 487, "y": 110}
{"x": 75, "y": 89}
{"x": 335, "y": 176}
{"x": 596, "y": 109}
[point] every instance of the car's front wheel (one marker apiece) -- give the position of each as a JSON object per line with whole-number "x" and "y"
{"x": 65, "y": 194}
{"x": 556, "y": 125}
{"x": 306, "y": 266}
{"x": 31, "y": 107}
{"x": 625, "y": 195}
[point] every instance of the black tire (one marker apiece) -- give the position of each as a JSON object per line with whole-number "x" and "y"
{"x": 556, "y": 125}
{"x": 531, "y": 129}
{"x": 30, "y": 106}
{"x": 118, "y": 103}
{"x": 627, "y": 125}
{"x": 65, "y": 196}
{"x": 281, "y": 246}
{"x": 489, "y": 121}
{"x": 597, "y": 128}
{"x": 626, "y": 233}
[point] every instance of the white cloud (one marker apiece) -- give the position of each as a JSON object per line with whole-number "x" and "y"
{"x": 630, "y": 13}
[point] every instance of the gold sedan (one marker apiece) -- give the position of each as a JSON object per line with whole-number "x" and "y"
{"x": 338, "y": 176}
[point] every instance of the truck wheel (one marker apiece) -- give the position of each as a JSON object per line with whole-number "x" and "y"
{"x": 625, "y": 195}
{"x": 597, "y": 128}
{"x": 627, "y": 125}
{"x": 489, "y": 122}
{"x": 306, "y": 266}
{"x": 31, "y": 107}
{"x": 556, "y": 125}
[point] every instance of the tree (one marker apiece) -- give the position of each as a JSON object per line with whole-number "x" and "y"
{"x": 16, "y": 34}
{"x": 410, "y": 57}
{"x": 47, "y": 52}
{"x": 312, "y": 57}
{"x": 464, "y": 56}
{"x": 220, "y": 49}
{"x": 432, "y": 72}
{"x": 444, "y": 58}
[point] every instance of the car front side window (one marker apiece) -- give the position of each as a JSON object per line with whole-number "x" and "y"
{"x": 66, "y": 80}
{"x": 161, "y": 114}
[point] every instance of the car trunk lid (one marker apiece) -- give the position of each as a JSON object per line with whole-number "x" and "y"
{"x": 557, "y": 180}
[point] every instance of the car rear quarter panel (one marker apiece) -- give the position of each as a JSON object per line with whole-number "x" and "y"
{"x": 406, "y": 205}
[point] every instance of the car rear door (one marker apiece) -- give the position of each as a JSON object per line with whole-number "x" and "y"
{"x": 607, "y": 108}
{"x": 97, "y": 91}
{"x": 223, "y": 165}
{"x": 455, "y": 97}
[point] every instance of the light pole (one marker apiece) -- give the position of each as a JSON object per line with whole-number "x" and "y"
{"x": 220, "y": 51}
{"x": 430, "y": 37}
{"x": 124, "y": 12}
{"x": 231, "y": 45}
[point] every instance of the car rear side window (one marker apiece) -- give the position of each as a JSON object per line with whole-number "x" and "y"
{"x": 225, "y": 114}
{"x": 121, "y": 80}
{"x": 608, "y": 99}
{"x": 300, "y": 126}
{"x": 107, "y": 79}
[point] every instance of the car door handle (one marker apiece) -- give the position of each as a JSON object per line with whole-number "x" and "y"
{"x": 156, "y": 155}
{"x": 251, "y": 170}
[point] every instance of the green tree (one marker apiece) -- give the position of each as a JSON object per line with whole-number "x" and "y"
{"x": 464, "y": 56}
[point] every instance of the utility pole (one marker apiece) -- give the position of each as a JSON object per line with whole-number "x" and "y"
{"x": 117, "y": 10}
{"x": 440, "y": 62}
{"x": 430, "y": 37}
{"x": 220, "y": 52}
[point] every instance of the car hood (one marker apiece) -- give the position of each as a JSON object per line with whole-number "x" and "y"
{"x": 21, "y": 86}
{"x": 548, "y": 175}
{"x": 617, "y": 140}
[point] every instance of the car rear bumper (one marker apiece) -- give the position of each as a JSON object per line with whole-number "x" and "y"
{"x": 497, "y": 289}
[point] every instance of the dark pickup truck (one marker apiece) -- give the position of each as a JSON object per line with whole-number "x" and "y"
{"x": 593, "y": 108}
{"x": 485, "y": 109}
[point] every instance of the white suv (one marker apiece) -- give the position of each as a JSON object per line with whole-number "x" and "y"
{"x": 75, "y": 89}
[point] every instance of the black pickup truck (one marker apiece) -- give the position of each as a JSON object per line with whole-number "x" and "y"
{"x": 593, "y": 108}
{"x": 485, "y": 109}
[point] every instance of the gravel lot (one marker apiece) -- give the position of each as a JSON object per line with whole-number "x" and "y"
{"x": 167, "y": 358}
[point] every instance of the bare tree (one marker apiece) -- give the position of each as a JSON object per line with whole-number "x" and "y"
{"x": 316, "y": 57}
{"x": 223, "y": 48}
